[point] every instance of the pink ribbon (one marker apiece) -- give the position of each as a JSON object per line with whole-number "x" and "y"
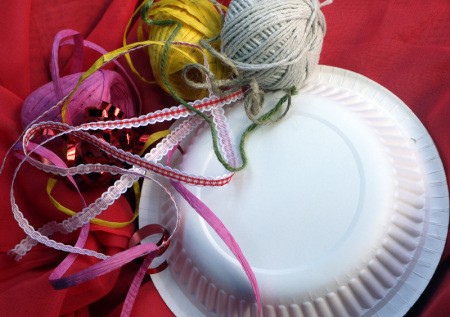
{"x": 103, "y": 85}
{"x": 52, "y": 95}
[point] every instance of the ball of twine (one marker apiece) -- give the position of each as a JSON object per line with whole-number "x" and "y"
{"x": 199, "y": 19}
{"x": 275, "y": 43}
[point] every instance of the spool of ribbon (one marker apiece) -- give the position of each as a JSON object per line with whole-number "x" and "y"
{"x": 103, "y": 86}
{"x": 105, "y": 95}
{"x": 193, "y": 21}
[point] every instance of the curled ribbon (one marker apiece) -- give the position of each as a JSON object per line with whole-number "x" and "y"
{"x": 83, "y": 152}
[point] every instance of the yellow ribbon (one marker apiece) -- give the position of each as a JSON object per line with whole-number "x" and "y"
{"x": 153, "y": 138}
{"x": 107, "y": 58}
{"x": 140, "y": 33}
{"x": 110, "y": 224}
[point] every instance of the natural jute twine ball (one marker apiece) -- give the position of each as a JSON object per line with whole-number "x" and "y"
{"x": 276, "y": 43}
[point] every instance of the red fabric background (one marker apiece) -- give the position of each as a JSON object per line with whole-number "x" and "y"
{"x": 403, "y": 45}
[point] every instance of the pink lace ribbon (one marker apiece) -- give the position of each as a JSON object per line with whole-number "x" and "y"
{"x": 120, "y": 186}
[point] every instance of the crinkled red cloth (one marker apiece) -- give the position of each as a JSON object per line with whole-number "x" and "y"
{"x": 403, "y": 45}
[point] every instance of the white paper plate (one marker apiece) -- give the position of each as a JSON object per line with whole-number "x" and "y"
{"x": 342, "y": 210}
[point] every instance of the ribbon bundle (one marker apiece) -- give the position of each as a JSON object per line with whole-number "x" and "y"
{"x": 84, "y": 127}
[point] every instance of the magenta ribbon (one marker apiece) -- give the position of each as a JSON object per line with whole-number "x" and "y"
{"x": 149, "y": 251}
{"x": 103, "y": 85}
{"x": 210, "y": 217}
{"x": 50, "y": 95}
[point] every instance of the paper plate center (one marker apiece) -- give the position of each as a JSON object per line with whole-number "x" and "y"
{"x": 290, "y": 207}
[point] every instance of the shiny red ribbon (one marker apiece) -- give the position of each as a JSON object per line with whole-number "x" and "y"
{"x": 81, "y": 152}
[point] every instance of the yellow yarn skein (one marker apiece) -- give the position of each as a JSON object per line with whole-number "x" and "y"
{"x": 200, "y": 20}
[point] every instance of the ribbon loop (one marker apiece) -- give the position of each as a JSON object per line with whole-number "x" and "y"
{"x": 163, "y": 243}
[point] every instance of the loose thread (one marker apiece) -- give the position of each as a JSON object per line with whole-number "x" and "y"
{"x": 172, "y": 90}
{"x": 264, "y": 119}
